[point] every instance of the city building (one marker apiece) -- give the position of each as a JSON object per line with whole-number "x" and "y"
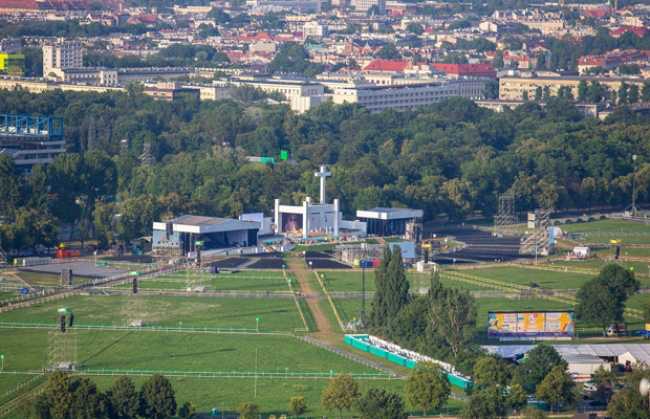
{"x": 171, "y": 91}
{"x": 61, "y": 55}
{"x": 302, "y": 95}
{"x": 313, "y": 29}
{"x": 390, "y": 221}
{"x": 458, "y": 71}
{"x": 409, "y": 96}
{"x": 182, "y": 235}
{"x": 364, "y": 6}
{"x": 517, "y": 88}
{"x": 31, "y": 140}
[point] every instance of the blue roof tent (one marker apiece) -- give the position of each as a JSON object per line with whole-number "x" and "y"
{"x": 31, "y": 125}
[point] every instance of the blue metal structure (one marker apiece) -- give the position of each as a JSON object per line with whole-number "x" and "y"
{"x": 31, "y": 125}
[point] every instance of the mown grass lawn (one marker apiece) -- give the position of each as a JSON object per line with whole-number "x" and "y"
{"x": 258, "y": 280}
{"x": 528, "y": 276}
{"x": 352, "y": 281}
{"x": 278, "y": 314}
{"x": 603, "y": 231}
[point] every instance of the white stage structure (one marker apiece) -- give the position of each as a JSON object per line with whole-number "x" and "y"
{"x": 309, "y": 218}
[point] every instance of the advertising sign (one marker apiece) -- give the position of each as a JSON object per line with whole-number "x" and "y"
{"x": 531, "y": 325}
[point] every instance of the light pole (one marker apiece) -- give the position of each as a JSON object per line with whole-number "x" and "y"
{"x": 633, "y": 209}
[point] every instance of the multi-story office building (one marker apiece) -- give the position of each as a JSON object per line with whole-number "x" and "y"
{"x": 402, "y": 97}
{"x": 517, "y": 88}
{"x": 365, "y": 5}
{"x": 31, "y": 140}
{"x": 301, "y": 94}
{"x": 62, "y": 55}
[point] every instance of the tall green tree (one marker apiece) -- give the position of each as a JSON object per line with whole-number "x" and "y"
{"x": 489, "y": 371}
{"x": 124, "y": 399}
{"x": 486, "y": 403}
{"x": 380, "y": 404}
{"x": 628, "y": 404}
{"x": 157, "y": 398}
{"x": 397, "y": 286}
{"x": 426, "y": 388}
{"x": 9, "y": 186}
{"x": 379, "y": 310}
{"x": 602, "y": 299}
{"x": 341, "y": 394}
{"x": 536, "y": 365}
{"x": 556, "y": 388}
{"x": 453, "y": 316}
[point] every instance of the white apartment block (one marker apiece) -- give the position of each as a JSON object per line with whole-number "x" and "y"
{"x": 376, "y": 98}
{"x": 301, "y": 95}
{"x": 62, "y": 55}
{"x": 365, "y": 5}
{"x": 313, "y": 29}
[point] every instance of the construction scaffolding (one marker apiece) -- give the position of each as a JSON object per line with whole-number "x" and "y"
{"x": 61, "y": 350}
{"x": 537, "y": 241}
{"x": 506, "y": 214}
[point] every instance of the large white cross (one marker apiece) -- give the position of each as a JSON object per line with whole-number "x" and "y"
{"x": 322, "y": 174}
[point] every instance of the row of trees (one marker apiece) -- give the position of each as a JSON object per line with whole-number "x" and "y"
{"x": 441, "y": 324}
{"x": 449, "y": 159}
{"x": 67, "y": 396}
{"x": 499, "y": 388}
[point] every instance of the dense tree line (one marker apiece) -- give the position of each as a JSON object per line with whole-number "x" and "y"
{"x": 67, "y": 28}
{"x": 566, "y": 51}
{"x": 68, "y": 396}
{"x": 448, "y": 159}
{"x": 173, "y": 56}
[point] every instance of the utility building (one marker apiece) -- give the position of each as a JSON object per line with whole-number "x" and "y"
{"x": 180, "y": 235}
{"x": 390, "y": 221}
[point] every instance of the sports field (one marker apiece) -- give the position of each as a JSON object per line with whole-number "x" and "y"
{"x": 182, "y": 353}
{"x": 275, "y": 314}
{"x": 255, "y": 280}
{"x": 346, "y": 281}
{"x": 603, "y": 231}
{"x": 528, "y": 276}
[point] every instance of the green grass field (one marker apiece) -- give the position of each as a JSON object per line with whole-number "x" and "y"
{"x": 526, "y": 276}
{"x": 603, "y": 231}
{"x": 272, "y": 395}
{"x": 241, "y": 281}
{"x": 352, "y": 281}
{"x": 199, "y": 352}
{"x": 276, "y": 314}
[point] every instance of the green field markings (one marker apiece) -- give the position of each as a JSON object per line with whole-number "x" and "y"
{"x": 272, "y": 281}
{"x": 558, "y": 296}
{"x": 289, "y": 281}
{"x": 603, "y": 231}
{"x": 168, "y": 311}
{"x": 537, "y": 275}
{"x": 285, "y": 375}
{"x": 161, "y": 329}
{"x": 337, "y": 316}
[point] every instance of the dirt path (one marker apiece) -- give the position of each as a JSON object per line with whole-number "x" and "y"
{"x": 326, "y": 331}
